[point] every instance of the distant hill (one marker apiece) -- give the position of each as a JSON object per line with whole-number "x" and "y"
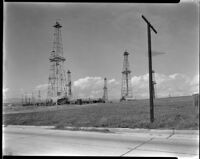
{"x": 19, "y": 100}
{"x": 12, "y": 100}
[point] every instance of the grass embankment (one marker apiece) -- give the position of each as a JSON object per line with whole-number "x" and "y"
{"x": 178, "y": 113}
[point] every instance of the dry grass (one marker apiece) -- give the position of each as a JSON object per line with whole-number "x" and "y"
{"x": 178, "y": 113}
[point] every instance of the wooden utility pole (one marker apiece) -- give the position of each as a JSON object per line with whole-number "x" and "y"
{"x": 149, "y": 28}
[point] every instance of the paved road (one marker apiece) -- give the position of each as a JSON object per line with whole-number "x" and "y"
{"x": 46, "y": 141}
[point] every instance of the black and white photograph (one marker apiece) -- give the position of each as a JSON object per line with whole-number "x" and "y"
{"x": 101, "y": 79}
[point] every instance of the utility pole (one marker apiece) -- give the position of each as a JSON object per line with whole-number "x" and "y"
{"x": 154, "y": 85}
{"x": 149, "y": 28}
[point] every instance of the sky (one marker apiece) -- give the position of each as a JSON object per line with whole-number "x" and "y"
{"x": 95, "y": 36}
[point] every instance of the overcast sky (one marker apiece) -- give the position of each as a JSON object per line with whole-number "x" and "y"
{"x": 94, "y": 38}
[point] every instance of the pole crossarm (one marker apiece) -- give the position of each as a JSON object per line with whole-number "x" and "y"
{"x": 149, "y": 24}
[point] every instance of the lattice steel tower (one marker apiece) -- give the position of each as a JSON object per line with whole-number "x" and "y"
{"x": 57, "y": 79}
{"x": 126, "y": 89}
{"x": 69, "y": 84}
{"x": 105, "y": 91}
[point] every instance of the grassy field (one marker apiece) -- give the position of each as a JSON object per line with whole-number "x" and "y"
{"x": 178, "y": 113}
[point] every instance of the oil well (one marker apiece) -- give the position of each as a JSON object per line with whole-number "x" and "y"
{"x": 105, "y": 91}
{"x": 59, "y": 89}
{"x": 57, "y": 84}
{"x": 126, "y": 88}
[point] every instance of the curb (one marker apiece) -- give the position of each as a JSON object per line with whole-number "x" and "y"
{"x": 155, "y": 131}
{"x": 105, "y": 130}
{"x": 29, "y": 126}
{"x": 113, "y": 130}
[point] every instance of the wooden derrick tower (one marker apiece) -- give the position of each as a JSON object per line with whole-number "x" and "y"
{"x": 126, "y": 88}
{"x": 105, "y": 91}
{"x": 57, "y": 78}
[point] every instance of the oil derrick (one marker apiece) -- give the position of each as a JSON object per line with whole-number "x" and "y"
{"x": 154, "y": 84}
{"x": 126, "y": 89}
{"x": 29, "y": 100}
{"x": 22, "y": 99}
{"x": 39, "y": 98}
{"x": 25, "y": 99}
{"x": 105, "y": 91}
{"x": 33, "y": 99}
{"x": 57, "y": 79}
{"x": 69, "y": 84}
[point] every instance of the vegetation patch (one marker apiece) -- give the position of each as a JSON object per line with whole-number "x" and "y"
{"x": 178, "y": 113}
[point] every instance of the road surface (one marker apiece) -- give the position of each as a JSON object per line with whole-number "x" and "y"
{"x": 39, "y": 141}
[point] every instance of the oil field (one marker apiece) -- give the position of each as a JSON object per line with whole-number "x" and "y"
{"x": 61, "y": 109}
{"x": 173, "y": 112}
{"x": 93, "y": 67}
{"x": 170, "y": 112}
